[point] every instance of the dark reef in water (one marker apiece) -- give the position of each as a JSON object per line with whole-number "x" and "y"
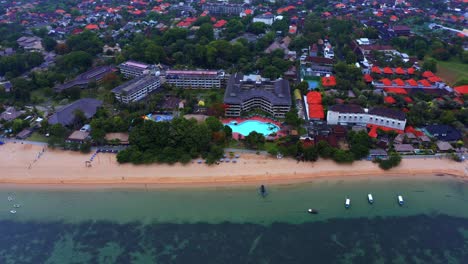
{"x": 415, "y": 239}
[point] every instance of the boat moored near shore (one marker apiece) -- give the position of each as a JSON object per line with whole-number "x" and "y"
{"x": 400, "y": 200}
{"x": 347, "y": 203}
{"x": 370, "y": 198}
{"x": 312, "y": 211}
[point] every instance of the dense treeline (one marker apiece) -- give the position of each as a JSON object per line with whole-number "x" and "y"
{"x": 180, "y": 140}
{"x": 15, "y": 65}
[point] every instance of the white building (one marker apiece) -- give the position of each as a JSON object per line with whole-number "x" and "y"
{"x": 132, "y": 69}
{"x": 136, "y": 89}
{"x": 195, "y": 79}
{"x": 265, "y": 18}
{"x": 356, "y": 115}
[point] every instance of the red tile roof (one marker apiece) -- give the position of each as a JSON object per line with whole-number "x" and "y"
{"x": 386, "y": 82}
{"x": 427, "y": 74}
{"x": 399, "y": 70}
{"x": 396, "y": 90}
{"x": 388, "y": 70}
{"x": 374, "y": 128}
{"x": 376, "y": 69}
{"x": 399, "y": 82}
{"x": 92, "y": 27}
{"x": 408, "y": 99}
{"x": 410, "y": 70}
{"x": 329, "y": 81}
{"x": 389, "y": 100}
{"x": 412, "y": 82}
{"x": 424, "y": 82}
{"x": 434, "y": 79}
{"x": 368, "y": 78}
{"x": 463, "y": 89}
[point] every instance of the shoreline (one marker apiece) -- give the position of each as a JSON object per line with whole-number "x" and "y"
{"x": 20, "y": 166}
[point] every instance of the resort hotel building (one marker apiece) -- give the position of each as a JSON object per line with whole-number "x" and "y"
{"x": 200, "y": 79}
{"x": 136, "y": 89}
{"x": 249, "y": 92}
{"x": 132, "y": 69}
{"x": 356, "y": 115}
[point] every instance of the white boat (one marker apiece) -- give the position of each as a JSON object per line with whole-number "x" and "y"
{"x": 400, "y": 200}
{"x": 16, "y": 205}
{"x": 370, "y": 198}
{"x": 347, "y": 203}
{"x": 13, "y": 211}
{"x": 10, "y": 198}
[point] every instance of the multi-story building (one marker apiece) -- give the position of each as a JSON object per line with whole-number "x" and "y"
{"x": 132, "y": 69}
{"x": 249, "y": 92}
{"x": 84, "y": 79}
{"x": 136, "y": 89}
{"x": 195, "y": 79}
{"x": 356, "y": 115}
{"x": 223, "y": 9}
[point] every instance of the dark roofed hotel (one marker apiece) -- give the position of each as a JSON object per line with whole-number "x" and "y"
{"x": 200, "y": 79}
{"x": 137, "y": 88}
{"x": 248, "y": 92}
{"x": 132, "y": 69}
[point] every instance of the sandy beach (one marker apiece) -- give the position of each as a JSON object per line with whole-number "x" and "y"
{"x": 22, "y": 164}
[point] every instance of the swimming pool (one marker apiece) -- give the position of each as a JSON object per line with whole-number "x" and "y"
{"x": 245, "y": 127}
{"x": 313, "y": 84}
{"x": 159, "y": 118}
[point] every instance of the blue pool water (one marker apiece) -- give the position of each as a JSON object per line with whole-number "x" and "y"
{"x": 244, "y": 128}
{"x": 313, "y": 84}
{"x": 160, "y": 118}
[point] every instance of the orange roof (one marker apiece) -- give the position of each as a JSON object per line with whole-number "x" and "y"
{"x": 463, "y": 89}
{"x": 374, "y": 128}
{"x": 248, "y": 11}
{"x": 329, "y": 81}
{"x": 427, "y": 74}
{"x": 92, "y": 27}
{"x": 220, "y": 23}
{"x": 410, "y": 129}
{"x": 316, "y": 111}
{"x": 412, "y": 82}
{"x": 376, "y": 69}
{"x": 386, "y": 82}
{"x": 424, "y": 82}
{"x": 314, "y": 97}
{"x": 434, "y": 79}
{"x": 399, "y": 82}
{"x": 389, "y": 100}
{"x": 396, "y": 90}
{"x": 411, "y": 70}
{"x": 393, "y": 18}
{"x": 368, "y": 78}
{"x": 399, "y": 70}
{"x": 388, "y": 70}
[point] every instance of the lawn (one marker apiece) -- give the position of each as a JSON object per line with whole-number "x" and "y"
{"x": 452, "y": 70}
{"x": 37, "y": 137}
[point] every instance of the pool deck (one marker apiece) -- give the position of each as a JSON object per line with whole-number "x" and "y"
{"x": 239, "y": 120}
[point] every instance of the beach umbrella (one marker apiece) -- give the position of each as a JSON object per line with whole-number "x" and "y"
{"x": 199, "y": 161}
{"x": 227, "y": 160}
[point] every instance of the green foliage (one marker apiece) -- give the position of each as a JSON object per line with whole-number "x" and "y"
{"x": 430, "y": 65}
{"x": 75, "y": 61}
{"x": 254, "y": 140}
{"x": 360, "y": 144}
{"x": 18, "y": 125}
{"x": 15, "y": 65}
{"x": 87, "y": 42}
{"x": 393, "y": 161}
{"x": 292, "y": 118}
{"x": 170, "y": 142}
{"x": 85, "y": 147}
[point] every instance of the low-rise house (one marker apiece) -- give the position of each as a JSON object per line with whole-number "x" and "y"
{"x": 10, "y": 113}
{"x": 121, "y": 138}
{"x": 78, "y": 136}
{"x": 30, "y": 43}
{"x": 377, "y": 154}
{"x": 444, "y": 146}
{"x": 267, "y": 19}
{"x": 25, "y": 133}
{"x": 404, "y": 148}
{"x": 66, "y": 115}
{"x": 444, "y": 132}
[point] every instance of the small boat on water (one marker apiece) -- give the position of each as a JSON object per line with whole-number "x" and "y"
{"x": 370, "y": 198}
{"x": 400, "y": 200}
{"x": 13, "y": 211}
{"x": 10, "y": 198}
{"x": 347, "y": 203}
{"x": 16, "y": 205}
{"x": 263, "y": 191}
{"x": 312, "y": 211}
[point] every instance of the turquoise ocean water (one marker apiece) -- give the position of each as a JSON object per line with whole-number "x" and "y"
{"x": 236, "y": 225}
